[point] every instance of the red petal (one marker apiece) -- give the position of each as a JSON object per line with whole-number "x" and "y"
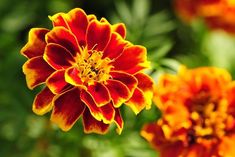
{"x": 100, "y": 94}
{"x": 75, "y": 20}
{"x": 98, "y": 35}
{"x": 118, "y": 91}
{"x": 91, "y": 125}
{"x": 108, "y": 113}
{"x": 43, "y": 102}
{"x": 36, "y": 43}
{"x": 137, "y": 102}
{"x": 118, "y": 121}
{"x": 73, "y": 78}
{"x": 78, "y": 22}
{"x": 58, "y": 57}
{"x": 58, "y": 20}
{"x": 132, "y": 60}
{"x": 120, "y": 28}
{"x": 129, "y": 80}
{"x": 115, "y": 46}
{"x": 65, "y": 38}
{"x": 145, "y": 84}
{"x": 56, "y": 82}
{"x": 68, "y": 107}
{"x": 95, "y": 111}
{"x": 36, "y": 71}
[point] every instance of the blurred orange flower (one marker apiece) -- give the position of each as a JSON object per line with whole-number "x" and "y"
{"x": 88, "y": 69}
{"x": 198, "y": 114}
{"x": 218, "y": 14}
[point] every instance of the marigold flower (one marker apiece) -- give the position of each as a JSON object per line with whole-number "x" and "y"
{"x": 88, "y": 69}
{"x": 218, "y": 14}
{"x": 198, "y": 114}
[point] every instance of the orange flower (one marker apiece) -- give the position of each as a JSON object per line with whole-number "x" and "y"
{"x": 218, "y": 14}
{"x": 88, "y": 69}
{"x": 198, "y": 114}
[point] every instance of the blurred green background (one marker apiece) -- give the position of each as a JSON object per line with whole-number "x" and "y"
{"x": 151, "y": 23}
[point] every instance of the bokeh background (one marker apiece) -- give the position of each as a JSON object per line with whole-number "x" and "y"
{"x": 152, "y": 23}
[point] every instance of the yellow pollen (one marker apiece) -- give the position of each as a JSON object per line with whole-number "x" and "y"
{"x": 92, "y": 67}
{"x": 210, "y": 119}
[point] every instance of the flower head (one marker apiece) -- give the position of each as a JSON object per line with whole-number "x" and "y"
{"x": 198, "y": 114}
{"x": 218, "y": 14}
{"x": 88, "y": 69}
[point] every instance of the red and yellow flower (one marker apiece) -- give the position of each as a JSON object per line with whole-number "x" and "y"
{"x": 88, "y": 69}
{"x": 218, "y": 14}
{"x": 198, "y": 114}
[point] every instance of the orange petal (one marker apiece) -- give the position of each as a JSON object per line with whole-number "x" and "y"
{"x": 118, "y": 121}
{"x": 68, "y": 107}
{"x": 98, "y": 35}
{"x": 73, "y": 78}
{"x": 132, "y": 60}
{"x": 137, "y": 102}
{"x": 75, "y": 20}
{"x": 65, "y": 38}
{"x": 127, "y": 79}
{"x": 57, "y": 56}
{"x": 43, "y": 102}
{"x": 145, "y": 84}
{"x": 56, "y": 82}
{"x": 226, "y": 146}
{"x": 100, "y": 94}
{"x": 120, "y": 28}
{"x": 91, "y": 125}
{"x": 115, "y": 46}
{"x": 118, "y": 91}
{"x": 95, "y": 111}
{"x": 36, "y": 71}
{"x": 36, "y": 43}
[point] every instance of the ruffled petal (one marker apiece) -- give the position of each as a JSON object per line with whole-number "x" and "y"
{"x": 36, "y": 43}
{"x": 56, "y": 82}
{"x": 120, "y": 28}
{"x": 115, "y": 46}
{"x": 91, "y": 125}
{"x": 118, "y": 121}
{"x": 127, "y": 79}
{"x": 91, "y": 17}
{"x": 58, "y": 57}
{"x": 137, "y": 102}
{"x": 36, "y": 71}
{"x": 75, "y": 20}
{"x": 65, "y": 38}
{"x": 72, "y": 77}
{"x": 100, "y": 94}
{"x": 98, "y": 35}
{"x": 43, "y": 102}
{"x": 145, "y": 84}
{"x": 118, "y": 91}
{"x": 108, "y": 113}
{"x": 68, "y": 107}
{"x": 88, "y": 100}
{"x": 132, "y": 60}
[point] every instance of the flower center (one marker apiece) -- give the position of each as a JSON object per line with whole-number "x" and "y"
{"x": 92, "y": 67}
{"x": 209, "y": 117}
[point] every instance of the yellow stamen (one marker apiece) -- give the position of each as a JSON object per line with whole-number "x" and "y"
{"x": 92, "y": 67}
